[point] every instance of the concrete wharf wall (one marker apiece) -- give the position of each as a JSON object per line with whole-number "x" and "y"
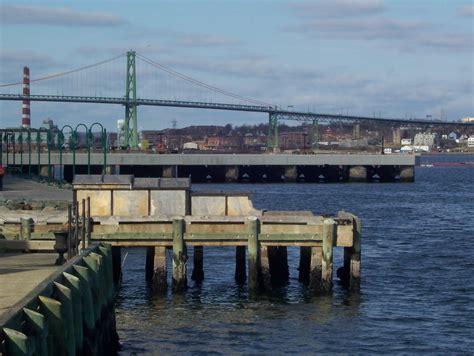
{"x": 238, "y": 167}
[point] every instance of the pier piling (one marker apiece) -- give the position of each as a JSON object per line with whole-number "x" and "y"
{"x": 329, "y": 231}
{"x": 159, "y": 281}
{"x": 179, "y": 256}
{"x": 253, "y": 245}
{"x": 305, "y": 263}
{"x": 198, "y": 270}
{"x": 265, "y": 253}
{"x": 240, "y": 273}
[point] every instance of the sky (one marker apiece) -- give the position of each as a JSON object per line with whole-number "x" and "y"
{"x": 395, "y": 58}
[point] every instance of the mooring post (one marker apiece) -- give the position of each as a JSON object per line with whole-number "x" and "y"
{"x": 305, "y": 262}
{"x": 253, "y": 253}
{"x": 265, "y": 253}
{"x": 329, "y": 232}
{"x": 240, "y": 274}
{"x": 198, "y": 270}
{"x": 179, "y": 256}
{"x": 159, "y": 282}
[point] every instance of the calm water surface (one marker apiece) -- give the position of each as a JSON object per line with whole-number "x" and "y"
{"x": 417, "y": 291}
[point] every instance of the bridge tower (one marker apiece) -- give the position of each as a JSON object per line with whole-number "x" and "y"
{"x": 273, "y": 138}
{"x": 314, "y": 134}
{"x": 131, "y": 135}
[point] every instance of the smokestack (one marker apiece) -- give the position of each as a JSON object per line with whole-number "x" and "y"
{"x": 25, "y": 112}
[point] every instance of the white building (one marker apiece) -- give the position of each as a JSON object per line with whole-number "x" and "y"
{"x": 406, "y": 141}
{"x": 424, "y": 139}
{"x": 470, "y": 142}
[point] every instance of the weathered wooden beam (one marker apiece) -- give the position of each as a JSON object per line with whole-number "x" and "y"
{"x": 315, "y": 270}
{"x": 159, "y": 281}
{"x": 179, "y": 256}
{"x": 36, "y": 324}
{"x": 265, "y": 253}
{"x": 27, "y": 245}
{"x": 240, "y": 274}
{"x": 198, "y": 269}
{"x": 74, "y": 284}
{"x": 17, "y": 343}
{"x": 149, "y": 263}
{"x": 327, "y": 254}
{"x": 253, "y": 225}
{"x": 64, "y": 296}
{"x": 51, "y": 309}
{"x": 305, "y": 263}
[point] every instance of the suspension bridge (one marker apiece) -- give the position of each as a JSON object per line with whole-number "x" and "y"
{"x": 174, "y": 88}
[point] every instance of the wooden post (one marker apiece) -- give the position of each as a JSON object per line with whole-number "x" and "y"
{"x": 179, "y": 256}
{"x": 117, "y": 263}
{"x": 36, "y": 324}
{"x": 315, "y": 271}
{"x": 51, "y": 309}
{"x": 305, "y": 264}
{"x": 92, "y": 265}
{"x": 106, "y": 251}
{"x": 265, "y": 251}
{"x": 198, "y": 270}
{"x": 284, "y": 269}
{"x": 329, "y": 232}
{"x": 240, "y": 274}
{"x": 252, "y": 223}
{"x": 89, "y": 221}
{"x": 64, "y": 296}
{"x": 17, "y": 343}
{"x": 26, "y": 228}
{"x": 159, "y": 282}
{"x": 356, "y": 254}
{"x": 83, "y": 225}
{"x": 149, "y": 261}
{"x": 74, "y": 284}
{"x": 83, "y": 273}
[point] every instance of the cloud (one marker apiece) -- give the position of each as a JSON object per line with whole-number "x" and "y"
{"x": 338, "y": 8}
{"x": 55, "y": 16}
{"x": 12, "y": 62}
{"x": 467, "y": 11}
{"x": 337, "y": 20}
{"x": 206, "y": 40}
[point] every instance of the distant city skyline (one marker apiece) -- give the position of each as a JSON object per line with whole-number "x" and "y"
{"x": 366, "y": 57}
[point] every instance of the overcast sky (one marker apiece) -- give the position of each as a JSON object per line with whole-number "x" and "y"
{"x": 370, "y": 57}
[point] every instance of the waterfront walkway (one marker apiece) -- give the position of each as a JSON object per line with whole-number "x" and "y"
{"x": 20, "y": 274}
{"x": 17, "y": 188}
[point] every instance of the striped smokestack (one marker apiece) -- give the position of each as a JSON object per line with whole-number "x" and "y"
{"x": 25, "y": 110}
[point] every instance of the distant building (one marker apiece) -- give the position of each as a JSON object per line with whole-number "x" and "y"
{"x": 406, "y": 141}
{"x": 470, "y": 142}
{"x": 467, "y": 119}
{"x": 425, "y": 139}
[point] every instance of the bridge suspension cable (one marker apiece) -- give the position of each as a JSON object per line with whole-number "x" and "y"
{"x": 56, "y": 75}
{"x": 200, "y": 83}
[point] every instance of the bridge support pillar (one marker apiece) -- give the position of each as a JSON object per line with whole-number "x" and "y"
{"x": 407, "y": 174}
{"x": 232, "y": 174}
{"x": 291, "y": 173}
{"x": 358, "y": 174}
{"x": 44, "y": 171}
{"x": 273, "y": 142}
{"x": 170, "y": 172}
{"x": 356, "y": 131}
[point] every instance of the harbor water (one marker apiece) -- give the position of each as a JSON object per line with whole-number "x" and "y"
{"x": 417, "y": 290}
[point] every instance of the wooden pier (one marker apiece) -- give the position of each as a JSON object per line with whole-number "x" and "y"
{"x": 161, "y": 214}
{"x": 57, "y": 310}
